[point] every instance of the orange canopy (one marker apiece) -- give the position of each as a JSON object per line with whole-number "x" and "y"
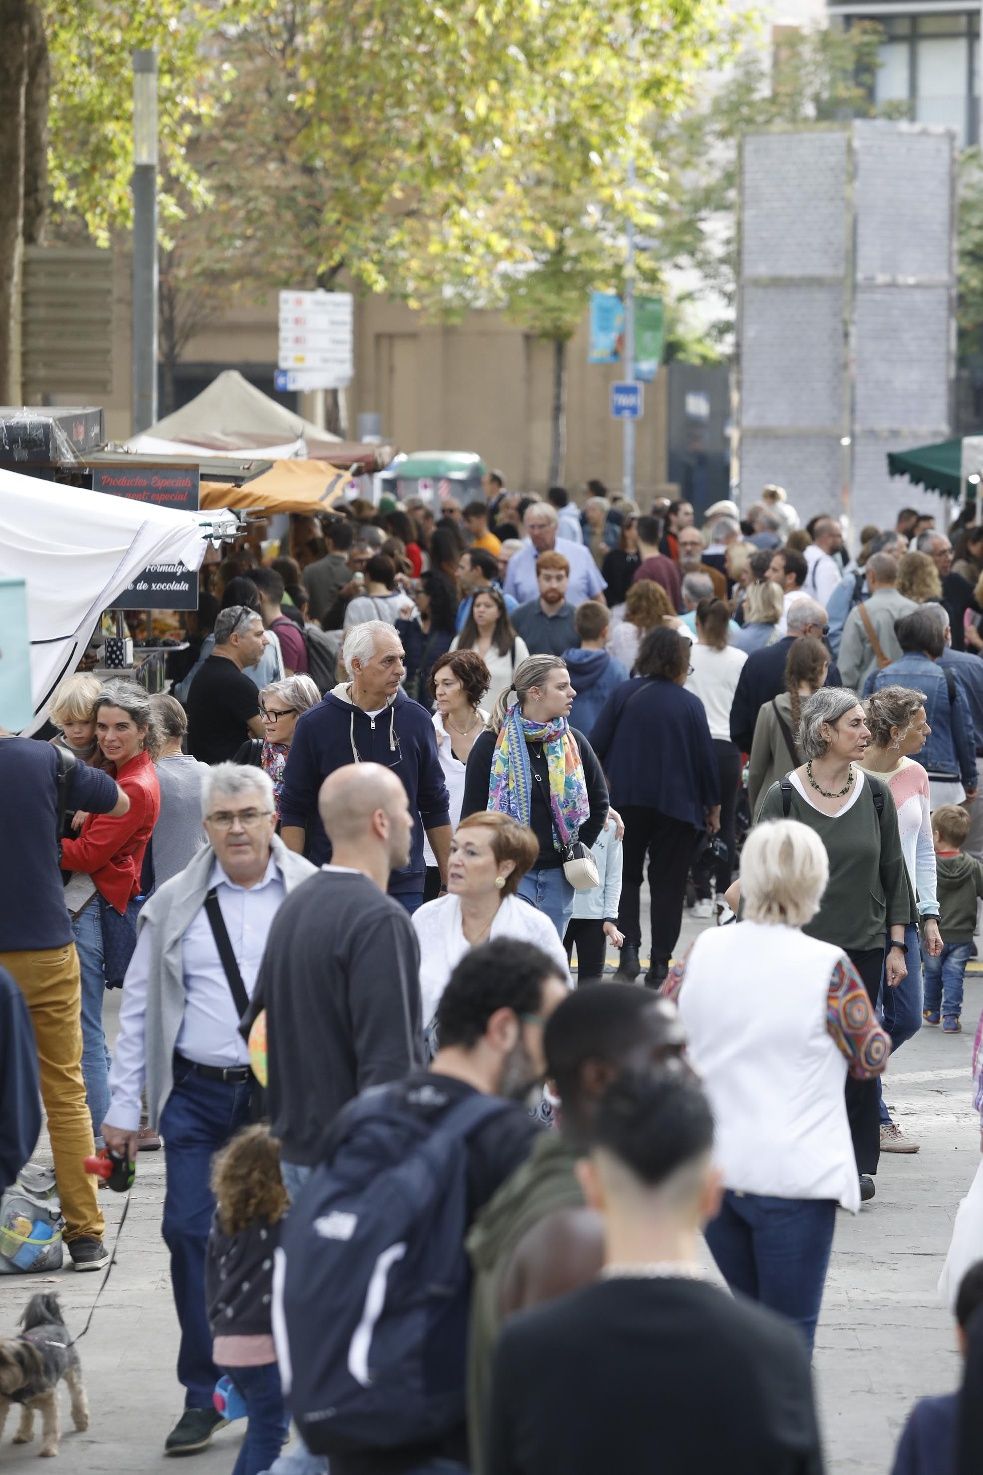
{"x": 288, "y": 486}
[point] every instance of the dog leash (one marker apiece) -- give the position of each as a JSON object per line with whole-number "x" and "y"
{"x": 106, "y": 1273}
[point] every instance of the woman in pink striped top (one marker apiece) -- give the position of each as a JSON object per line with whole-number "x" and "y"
{"x": 899, "y": 727}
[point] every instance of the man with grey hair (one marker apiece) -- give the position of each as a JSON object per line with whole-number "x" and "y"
{"x": 200, "y": 939}
{"x": 695, "y": 588}
{"x": 223, "y": 704}
{"x": 853, "y": 585}
{"x": 763, "y": 673}
{"x": 824, "y": 573}
{"x": 957, "y": 592}
{"x": 541, "y": 524}
{"x": 723, "y": 532}
{"x": 869, "y": 641}
{"x": 369, "y": 719}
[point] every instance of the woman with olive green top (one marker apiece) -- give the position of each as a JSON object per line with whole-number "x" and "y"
{"x": 868, "y": 896}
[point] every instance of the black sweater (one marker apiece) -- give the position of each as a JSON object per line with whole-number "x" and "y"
{"x": 477, "y": 777}
{"x": 239, "y": 1280}
{"x": 340, "y": 985}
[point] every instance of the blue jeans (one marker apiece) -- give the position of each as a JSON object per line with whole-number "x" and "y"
{"x": 198, "y": 1118}
{"x": 944, "y": 979}
{"x": 549, "y": 891}
{"x": 87, "y": 928}
{"x": 776, "y": 1250}
{"x": 266, "y": 1431}
{"x": 900, "y": 1009}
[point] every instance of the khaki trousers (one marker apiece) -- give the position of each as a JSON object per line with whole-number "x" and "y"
{"x": 49, "y": 980}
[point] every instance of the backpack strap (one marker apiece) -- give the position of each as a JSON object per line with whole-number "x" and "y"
{"x": 467, "y": 1116}
{"x": 66, "y": 762}
{"x": 786, "y": 731}
{"x": 872, "y": 636}
{"x": 785, "y": 785}
{"x": 228, "y": 958}
{"x": 950, "y": 682}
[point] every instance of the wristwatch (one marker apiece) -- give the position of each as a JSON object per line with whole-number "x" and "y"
{"x": 902, "y": 945}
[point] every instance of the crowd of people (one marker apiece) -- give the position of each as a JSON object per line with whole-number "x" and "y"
{"x": 412, "y": 770}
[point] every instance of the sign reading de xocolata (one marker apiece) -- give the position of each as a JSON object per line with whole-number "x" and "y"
{"x": 164, "y": 585}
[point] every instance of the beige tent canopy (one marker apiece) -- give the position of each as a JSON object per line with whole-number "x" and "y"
{"x": 288, "y": 486}
{"x": 233, "y": 415}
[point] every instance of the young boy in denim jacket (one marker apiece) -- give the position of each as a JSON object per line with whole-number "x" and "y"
{"x": 960, "y": 884}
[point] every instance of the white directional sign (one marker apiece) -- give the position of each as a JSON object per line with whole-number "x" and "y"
{"x": 317, "y": 339}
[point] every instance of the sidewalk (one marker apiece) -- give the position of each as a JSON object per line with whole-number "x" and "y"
{"x": 883, "y": 1339}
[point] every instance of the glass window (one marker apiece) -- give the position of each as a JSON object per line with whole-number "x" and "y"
{"x": 893, "y": 80}
{"x": 942, "y": 77}
{"x": 947, "y": 24}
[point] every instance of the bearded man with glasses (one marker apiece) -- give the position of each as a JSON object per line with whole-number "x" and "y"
{"x": 199, "y": 944}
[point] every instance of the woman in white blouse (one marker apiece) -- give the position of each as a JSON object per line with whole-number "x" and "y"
{"x": 488, "y": 631}
{"x": 490, "y": 853}
{"x": 898, "y": 728}
{"x": 714, "y": 670}
{"x": 458, "y": 681}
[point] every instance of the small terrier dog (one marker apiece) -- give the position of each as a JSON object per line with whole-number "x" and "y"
{"x": 31, "y": 1367}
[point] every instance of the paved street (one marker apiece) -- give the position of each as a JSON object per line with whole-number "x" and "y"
{"x": 883, "y": 1339}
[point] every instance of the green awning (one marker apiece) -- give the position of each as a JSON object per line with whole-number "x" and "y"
{"x": 937, "y": 467}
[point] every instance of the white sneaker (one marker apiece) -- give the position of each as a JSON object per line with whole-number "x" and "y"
{"x": 702, "y": 909}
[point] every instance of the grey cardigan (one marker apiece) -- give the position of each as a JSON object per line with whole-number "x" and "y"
{"x": 169, "y": 913}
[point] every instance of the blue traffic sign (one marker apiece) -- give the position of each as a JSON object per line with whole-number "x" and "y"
{"x": 281, "y": 380}
{"x": 626, "y": 400}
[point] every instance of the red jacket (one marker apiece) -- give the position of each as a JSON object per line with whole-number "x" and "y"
{"x": 111, "y": 850}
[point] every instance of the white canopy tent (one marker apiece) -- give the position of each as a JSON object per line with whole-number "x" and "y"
{"x": 232, "y": 415}
{"x": 77, "y": 550}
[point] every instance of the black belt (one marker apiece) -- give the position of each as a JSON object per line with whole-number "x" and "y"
{"x": 230, "y": 1075}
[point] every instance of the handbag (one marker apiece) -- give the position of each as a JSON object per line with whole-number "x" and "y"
{"x": 580, "y": 867}
{"x": 119, "y": 938}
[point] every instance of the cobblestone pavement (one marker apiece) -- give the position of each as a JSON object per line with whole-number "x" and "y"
{"x": 883, "y": 1339}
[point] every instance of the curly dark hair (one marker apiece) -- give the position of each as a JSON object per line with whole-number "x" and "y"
{"x": 504, "y": 974}
{"x": 663, "y": 653}
{"x": 246, "y": 1180}
{"x": 470, "y": 671}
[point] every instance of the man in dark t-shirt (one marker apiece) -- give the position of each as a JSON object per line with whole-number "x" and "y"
{"x": 490, "y": 1024}
{"x": 36, "y": 947}
{"x": 620, "y": 1376}
{"x": 223, "y": 704}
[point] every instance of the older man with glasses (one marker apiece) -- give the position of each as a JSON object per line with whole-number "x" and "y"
{"x": 223, "y": 704}
{"x": 199, "y": 945}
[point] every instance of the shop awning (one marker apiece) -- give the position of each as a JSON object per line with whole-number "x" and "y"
{"x": 937, "y": 467}
{"x": 288, "y": 486}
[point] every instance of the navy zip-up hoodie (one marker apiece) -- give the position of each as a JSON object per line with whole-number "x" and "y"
{"x": 401, "y": 738}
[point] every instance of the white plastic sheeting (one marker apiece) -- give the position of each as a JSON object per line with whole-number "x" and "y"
{"x": 77, "y": 550}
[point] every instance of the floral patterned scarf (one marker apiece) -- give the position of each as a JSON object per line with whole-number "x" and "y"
{"x": 273, "y": 760}
{"x": 510, "y": 786}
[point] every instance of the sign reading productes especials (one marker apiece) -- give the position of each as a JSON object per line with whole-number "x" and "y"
{"x": 162, "y": 585}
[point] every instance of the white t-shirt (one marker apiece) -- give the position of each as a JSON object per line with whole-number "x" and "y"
{"x": 713, "y": 678}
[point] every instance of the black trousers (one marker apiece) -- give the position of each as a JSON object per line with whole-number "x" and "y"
{"x": 862, "y": 1102}
{"x": 431, "y": 885}
{"x": 729, "y": 775}
{"x": 588, "y": 935}
{"x": 668, "y": 844}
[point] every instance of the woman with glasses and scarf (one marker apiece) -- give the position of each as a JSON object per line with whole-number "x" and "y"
{"x": 280, "y": 704}
{"x": 532, "y": 765}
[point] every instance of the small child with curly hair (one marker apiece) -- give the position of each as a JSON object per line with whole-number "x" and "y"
{"x": 251, "y": 1202}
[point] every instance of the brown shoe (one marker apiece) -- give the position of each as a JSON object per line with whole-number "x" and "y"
{"x": 148, "y": 1140}
{"x": 894, "y": 1140}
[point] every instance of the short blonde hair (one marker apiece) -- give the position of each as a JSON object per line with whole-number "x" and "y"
{"x": 75, "y": 700}
{"x": 784, "y": 871}
{"x": 763, "y": 604}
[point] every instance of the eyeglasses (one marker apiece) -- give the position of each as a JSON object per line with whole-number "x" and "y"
{"x": 224, "y": 819}
{"x": 269, "y": 715}
{"x": 691, "y": 670}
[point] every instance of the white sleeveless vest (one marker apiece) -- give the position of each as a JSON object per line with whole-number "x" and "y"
{"x": 754, "y": 1004}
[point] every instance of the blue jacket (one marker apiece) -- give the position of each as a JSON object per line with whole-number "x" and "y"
{"x": 950, "y": 752}
{"x": 401, "y": 739}
{"x": 654, "y": 744}
{"x": 928, "y": 1441}
{"x": 594, "y": 674}
{"x": 968, "y": 671}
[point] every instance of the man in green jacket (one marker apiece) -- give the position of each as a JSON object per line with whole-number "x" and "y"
{"x": 537, "y": 1239}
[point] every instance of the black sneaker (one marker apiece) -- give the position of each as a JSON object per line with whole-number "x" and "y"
{"x": 628, "y": 965}
{"x": 867, "y": 1189}
{"x": 88, "y": 1253}
{"x": 193, "y": 1430}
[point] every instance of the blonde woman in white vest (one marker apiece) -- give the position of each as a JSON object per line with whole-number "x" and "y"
{"x": 775, "y": 1021}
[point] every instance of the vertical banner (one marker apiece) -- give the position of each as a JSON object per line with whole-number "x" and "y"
{"x": 607, "y": 323}
{"x": 649, "y": 337}
{"x": 16, "y": 699}
{"x": 607, "y": 333}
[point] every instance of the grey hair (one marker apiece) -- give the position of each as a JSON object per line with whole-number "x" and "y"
{"x": 723, "y": 527}
{"x": 236, "y": 617}
{"x": 891, "y": 706}
{"x": 938, "y": 612}
{"x": 299, "y": 692}
{"x": 883, "y": 567}
{"x": 803, "y": 612}
{"x": 697, "y": 587}
{"x": 235, "y": 779}
{"x": 511, "y": 544}
{"x": 369, "y": 536}
{"x": 135, "y": 702}
{"x": 541, "y": 509}
{"x": 824, "y": 708}
{"x": 926, "y": 541}
{"x": 359, "y": 642}
{"x": 784, "y": 871}
{"x": 528, "y": 673}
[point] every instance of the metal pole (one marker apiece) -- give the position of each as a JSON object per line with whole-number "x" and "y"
{"x": 628, "y": 426}
{"x": 144, "y": 339}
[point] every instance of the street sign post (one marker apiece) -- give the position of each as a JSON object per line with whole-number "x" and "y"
{"x": 316, "y": 340}
{"x": 627, "y": 400}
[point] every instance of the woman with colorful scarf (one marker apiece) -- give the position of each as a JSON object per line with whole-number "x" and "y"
{"x": 280, "y": 704}
{"x": 532, "y": 765}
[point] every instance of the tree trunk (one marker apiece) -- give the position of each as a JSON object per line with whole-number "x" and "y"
{"x": 558, "y": 442}
{"x": 36, "y": 100}
{"x": 13, "y": 84}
